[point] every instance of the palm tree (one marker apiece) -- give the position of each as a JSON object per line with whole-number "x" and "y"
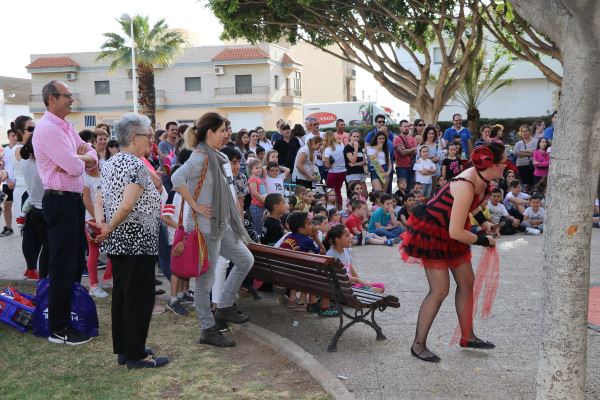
{"x": 482, "y": 80}
{"x": 155, "y": 45}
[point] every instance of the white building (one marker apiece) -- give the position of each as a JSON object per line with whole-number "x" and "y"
{"x": 14, "y": 101}
{"x": 529, "y": 95}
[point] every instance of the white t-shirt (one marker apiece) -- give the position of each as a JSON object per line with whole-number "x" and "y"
{"x": 274, "y": 185}
{"x": 535, "y": 216}
{"x": 92, "y": 183}
{"x": 508, "y": 204}
{"x": 497, "y": 212}
{"x": 172, "y": 208}
{"x": 381, "y": 159}
{"x": 420, "y": 165}
{"x": 339, "y": 164}
{"x": 345, "y": 257}
{"x": 9, "y": 157}
{"x": 17, "y": 168}
{"x": 265, "y": 145}
{"x": 229, "y": 174}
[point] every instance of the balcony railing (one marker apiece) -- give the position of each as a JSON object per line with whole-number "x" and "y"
{"x": 38, "y": 98}
{"x": 159, "y": 94}
{"x": 227, "y": 91}
{"x": 293, "y": 92}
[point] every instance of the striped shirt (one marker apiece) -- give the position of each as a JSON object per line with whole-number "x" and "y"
{"x": 55, "y": 142}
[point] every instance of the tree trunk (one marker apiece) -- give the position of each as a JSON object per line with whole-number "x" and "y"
{"x": 146, "y": 90}
{"x": 426, "y": 109}
{"x": 574, "y": 166}
{"x": 473, "y": 122}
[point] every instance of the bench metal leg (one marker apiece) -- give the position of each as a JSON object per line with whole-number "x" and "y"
{"x": 359, "y": 316}
{"x": 380, "y": 335}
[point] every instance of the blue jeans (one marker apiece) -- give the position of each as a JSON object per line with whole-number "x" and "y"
{"x": 164, "y": 251}
{"x": 391, "y": 233}
{"x": 408, "y": 174}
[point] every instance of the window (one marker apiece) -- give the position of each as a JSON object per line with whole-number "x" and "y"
{"x": 89, "y": 120}
{"x": 193, "y": 84}
{"x": 276, "y": 82}
{"x": 297, "y": 81}
{"x": 102, "y": 87}
{"x": 437, "y": 55}
{"x": 243, "y": 84}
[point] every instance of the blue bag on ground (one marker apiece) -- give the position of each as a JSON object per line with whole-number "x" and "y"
{"x": 84, "y": 317}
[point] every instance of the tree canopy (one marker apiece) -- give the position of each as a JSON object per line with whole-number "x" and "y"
{"x": 374, "y": 35}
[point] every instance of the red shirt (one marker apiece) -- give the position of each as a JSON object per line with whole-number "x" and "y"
{"x": 354, "y": 221}
{"x": 404, "y": 142}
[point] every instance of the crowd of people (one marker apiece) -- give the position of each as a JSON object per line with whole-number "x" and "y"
{"x": 124, "y": 192}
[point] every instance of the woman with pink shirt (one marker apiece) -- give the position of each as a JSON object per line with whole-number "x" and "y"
{"x": 541, "y": 160}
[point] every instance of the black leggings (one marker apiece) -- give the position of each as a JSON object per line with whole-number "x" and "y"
{"x": 35, "y": 241}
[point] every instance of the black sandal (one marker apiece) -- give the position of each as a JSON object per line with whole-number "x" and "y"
{"x": 477, "y": 344}
{"x": 430, "y": 358}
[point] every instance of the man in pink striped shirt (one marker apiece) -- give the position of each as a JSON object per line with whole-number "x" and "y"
{"x": 62, "y": 158}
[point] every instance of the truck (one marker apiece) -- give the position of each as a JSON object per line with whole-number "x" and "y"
{"x": 355, "y": 114}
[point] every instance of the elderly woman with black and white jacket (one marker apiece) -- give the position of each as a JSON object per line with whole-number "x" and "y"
{"x": 219, "y": 220}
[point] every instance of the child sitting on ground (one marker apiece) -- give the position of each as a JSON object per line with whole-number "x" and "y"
{"x": 301, "y": 200}
{"x": 320, "y": 223}
{"x": 383, "y": 222}
{"x": 273, "y": 228}
{"x": 333, "y": 216}
{"x": 375, "y": 198}
{"x": 357, "y": 189}
{"x": 355, "y": 221}
{"x": 516, "y": 201}
{"x": 303, "y": 237}
{"x": 406, "y": 211}
{"x": 400, "y": 194}
{"x": 274, "y": 178}
{"x": 499, "y": 214}
{"x": 533, "y": 217}
{"x": 339, "y": 240}
{"x": 331, "y": 199}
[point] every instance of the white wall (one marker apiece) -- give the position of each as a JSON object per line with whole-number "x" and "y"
{"x": 523, "y": 98}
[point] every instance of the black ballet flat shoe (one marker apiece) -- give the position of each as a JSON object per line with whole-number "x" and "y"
{"x": 477, "y": 344}
{"x": 432, "y": 358}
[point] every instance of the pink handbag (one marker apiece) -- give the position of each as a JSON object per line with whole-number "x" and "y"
{"x": 189, "y": 256}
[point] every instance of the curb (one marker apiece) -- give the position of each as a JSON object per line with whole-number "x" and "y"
{"x": 298, "y": 356}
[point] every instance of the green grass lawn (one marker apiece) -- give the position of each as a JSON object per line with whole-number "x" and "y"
{"x": 32, "y": 368}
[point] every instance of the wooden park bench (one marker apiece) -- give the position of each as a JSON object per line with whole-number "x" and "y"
{"x": 323, "y": 276}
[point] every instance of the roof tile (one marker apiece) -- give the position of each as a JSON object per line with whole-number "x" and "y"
{"x": 241, "y": 53}
{"x": 53, "y": 62}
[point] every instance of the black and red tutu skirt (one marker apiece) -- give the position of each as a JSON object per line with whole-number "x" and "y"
{"x": 427, "y": 242}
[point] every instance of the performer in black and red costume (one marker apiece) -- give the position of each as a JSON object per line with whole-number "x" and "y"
{"x": 438, "y": 236}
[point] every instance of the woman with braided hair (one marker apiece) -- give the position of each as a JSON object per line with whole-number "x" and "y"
{"x": 438, "y": 236}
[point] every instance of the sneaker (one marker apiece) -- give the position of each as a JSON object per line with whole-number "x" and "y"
{"x": 186, "y": 299}
{"x": 148, "y": 362}
{"x": 98, "y": 292}
{"x": 532, "y": 231}
{"x": 158, "y": 309}
{"x": 214, "y": 337}
{"x": 68, "y": 336}
{"x": 31, "y": 275}
{"x": 389, "y": 242}
{"x": 364, "y": 238}
{"x": 6, "y": 232}
{"x": 231, "y": 314}
{"x": 85, "y": 273}
{"x": 596, "y": 224}
{"x": 122, "y": 359}
{"x": 329, "y": 313}
{"x": 177, "y": 308}
{"x": 222, "y": 326}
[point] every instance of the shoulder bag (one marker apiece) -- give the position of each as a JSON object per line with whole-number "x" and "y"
{"x": 189, "y": 256}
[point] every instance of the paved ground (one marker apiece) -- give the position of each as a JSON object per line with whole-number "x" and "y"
{"x": 385, "y": 370}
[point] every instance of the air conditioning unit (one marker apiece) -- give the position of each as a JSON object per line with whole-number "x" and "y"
{"x": 71, "y": 76}
{"x": 219, "y": 70}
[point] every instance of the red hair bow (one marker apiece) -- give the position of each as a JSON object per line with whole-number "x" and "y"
{"x": 482, "y": 158}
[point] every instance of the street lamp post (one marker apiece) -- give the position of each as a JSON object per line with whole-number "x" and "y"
{"x": 126, "y": 17}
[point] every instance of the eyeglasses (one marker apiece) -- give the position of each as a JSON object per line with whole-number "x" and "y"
{"x": 148, "y": 135}
{"x": 421, "y": 125}
{"x": 70, "y": 96}
{"x": 30, "y": 128}
{"x": 381, "y": 122}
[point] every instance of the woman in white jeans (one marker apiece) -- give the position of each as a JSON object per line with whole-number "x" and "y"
{"x": 217, "y": 217}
